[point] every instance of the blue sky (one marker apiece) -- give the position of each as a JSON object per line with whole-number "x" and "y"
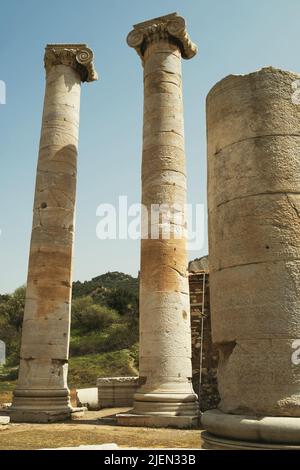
{"x": 233, "y": 36}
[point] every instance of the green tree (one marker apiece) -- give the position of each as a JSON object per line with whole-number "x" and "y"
{"x": 125, "y": 301}
{"x": 88, "y": 317}
{"x": 15, "y": 308}
{"x": 11, "y": 318}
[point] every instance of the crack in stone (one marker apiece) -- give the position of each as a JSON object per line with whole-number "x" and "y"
{"x": 161, "y": 82}
{"x": 40, "y": 217}
{"x": 148, "y": 149}
{"x": 294, "y": 207}
{"x": 267, "y": 193}
{"x": 159, "y": 173}
{"x": 61, "y": 173}
{"x": 163, "y": 131}
{"x": 257, "y": 262}
{"x": 177, "y": 271}
{"x": 253, "y": 138}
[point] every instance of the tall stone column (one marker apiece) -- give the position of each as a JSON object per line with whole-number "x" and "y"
{"x": 253, "y": 133}
{"x": 42, "y": 393}
{"x": 165, "y": 396}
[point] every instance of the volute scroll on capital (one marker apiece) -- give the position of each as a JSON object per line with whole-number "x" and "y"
{"x": 170, "y": 27}
{"x": 78, "y": 56}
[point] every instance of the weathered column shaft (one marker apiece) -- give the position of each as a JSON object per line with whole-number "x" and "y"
{"x": 165, "y": 350}
{"x": 165, "y": 330}
{"x": 42, "y": 384}
{"x": 254, "y": 252}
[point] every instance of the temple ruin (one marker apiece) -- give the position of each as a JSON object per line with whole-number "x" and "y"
{"x": 238, "y": 310}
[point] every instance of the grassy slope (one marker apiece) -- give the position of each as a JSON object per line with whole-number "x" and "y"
{"x": 84, "y": 371}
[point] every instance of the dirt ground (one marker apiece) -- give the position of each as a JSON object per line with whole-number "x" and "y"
{"x": 86, "y": 430}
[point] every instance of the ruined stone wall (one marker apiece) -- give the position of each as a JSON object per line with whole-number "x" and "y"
{"x": 208, "y": 393}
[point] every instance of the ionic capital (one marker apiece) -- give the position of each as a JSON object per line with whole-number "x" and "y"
{"x": 165, "y": 28}
{"x": 77, "y": 56}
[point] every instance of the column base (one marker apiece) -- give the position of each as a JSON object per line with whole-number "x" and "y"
{"x": 42, "y": 406}
{"x": 18, "y": 415}
{"x": 157, "y": 421}
{"x": 228, "y": 431}
{"x": 162, "y": 410}
{"x": 211, "y": 442}
{"x": 41, "y": 416}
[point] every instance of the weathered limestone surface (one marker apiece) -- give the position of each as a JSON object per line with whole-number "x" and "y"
{"x": 254, "y": 242}
{"x": 269, "y": 430}
{"x": 116, "y": 391}
{"x": 42, "y": 385}
{"x": 165, "y": 330}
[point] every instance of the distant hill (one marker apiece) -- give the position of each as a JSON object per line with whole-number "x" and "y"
{"x": 111, "y": 280}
